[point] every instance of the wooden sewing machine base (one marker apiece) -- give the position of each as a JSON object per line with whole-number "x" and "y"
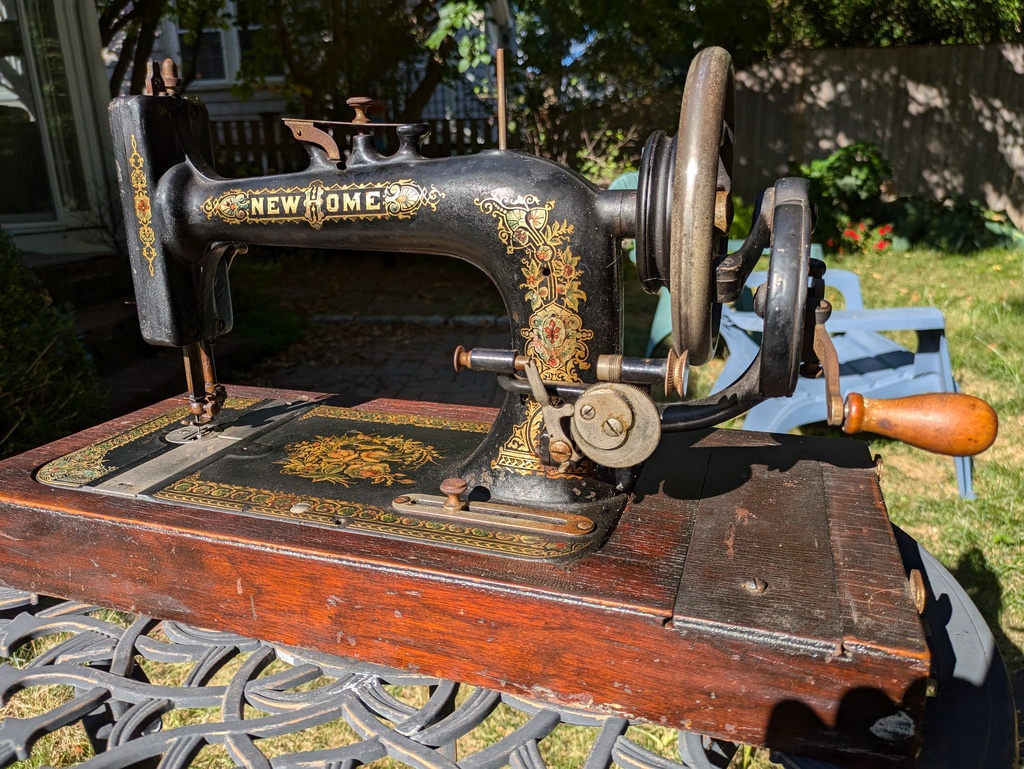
{"x": 752, "y": 590}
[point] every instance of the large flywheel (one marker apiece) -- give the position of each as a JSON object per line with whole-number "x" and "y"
{"x": 684, "y": 204}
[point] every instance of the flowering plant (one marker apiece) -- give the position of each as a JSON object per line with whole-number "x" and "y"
{"x": 860, "y": 237}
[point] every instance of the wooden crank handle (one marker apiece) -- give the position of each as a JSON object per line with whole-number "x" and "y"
{"x": 946, "y": 423}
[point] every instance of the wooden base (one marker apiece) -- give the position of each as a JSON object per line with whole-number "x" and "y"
{"x": 752, "y": 590}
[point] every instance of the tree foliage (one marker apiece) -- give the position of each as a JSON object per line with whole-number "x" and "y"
{"x": 333, "y": 49}
{"x": 842, "y": 23}
{"x": 611, "y": 69}
{"x": 319, "y": 51}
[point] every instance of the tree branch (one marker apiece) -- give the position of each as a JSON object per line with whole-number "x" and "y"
{"x": 432, "y": 77}
{"x": 113, "y": 17}
{"x": 144, "y": 47}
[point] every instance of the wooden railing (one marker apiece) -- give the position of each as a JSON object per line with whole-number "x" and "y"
{"x": 264, "y": 145}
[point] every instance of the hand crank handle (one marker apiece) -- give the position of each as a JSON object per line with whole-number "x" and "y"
{"x": 945, "y": 423}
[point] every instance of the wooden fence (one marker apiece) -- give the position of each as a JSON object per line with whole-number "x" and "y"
{"x": 950, "y": 119}
{"x": 265, "y": 145}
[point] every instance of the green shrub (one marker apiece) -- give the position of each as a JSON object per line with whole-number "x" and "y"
{"x": 847, "y": 189}
{"x": 954, "y": 225}
{"x": 48, "y": 386}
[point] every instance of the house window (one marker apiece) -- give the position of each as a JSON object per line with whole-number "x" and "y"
{"x": 39, "y": 155}
{"x": 27, "y": 192}
{"x": 209, "y": 63}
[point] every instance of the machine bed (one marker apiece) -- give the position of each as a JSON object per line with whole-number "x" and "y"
{"x": 756, "y": 594}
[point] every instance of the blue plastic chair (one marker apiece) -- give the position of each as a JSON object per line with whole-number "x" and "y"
{"x": 869, "y": 363}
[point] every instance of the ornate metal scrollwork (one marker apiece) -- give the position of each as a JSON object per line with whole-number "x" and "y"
{"x": 139, "y": 683}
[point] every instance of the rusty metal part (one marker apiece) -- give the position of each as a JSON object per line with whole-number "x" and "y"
{"x": 360, "y": 104}
{"x": 306, "y": 131}
{"x": 624, "y": 429}
{"x": 502, "y": 118}
{"x": 206, "y": 396}
{"x": 723, "y": 211}
{"x": 162, "y": 79}
{"x": 613, "y": 417}
{"x": 703, "y": 169}
{"x": 454, "y": 488}
{"x": 552, "y": 416}
{"x": 670, "y": 372}
{"x": 373, "y": 125}
{"x": 917, "y": 589}
{"x": 154, "y": 81}
{"x": 560, "y": 452}
{"x": 169, "y": 73}
{"x": 491, "y": 513}
{"x": 677, "y": 373}
{"x": 489, "y": 359}
{"x": 825, "y": 353}
{"x": 817, "y": 312}
{"x": 755, "y": 585}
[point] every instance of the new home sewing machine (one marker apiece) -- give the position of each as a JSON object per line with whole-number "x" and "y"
{"x": 585, "y": 545}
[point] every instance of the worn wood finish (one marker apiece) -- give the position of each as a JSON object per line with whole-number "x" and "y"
{"x": 946, "y": 423}
{"x": 651, "y": 626}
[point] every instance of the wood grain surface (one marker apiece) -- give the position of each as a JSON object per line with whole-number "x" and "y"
{"x": 656, "y": 625}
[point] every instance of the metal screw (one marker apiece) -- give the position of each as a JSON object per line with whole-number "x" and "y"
{"x": 560, "y": 451}
{"x": 755, "y": 585}
{"x": 917, "y": 589}
{"x": 585, "y": 525}
{"x": 613, "y": 427}
{"x": 586, "y": 411}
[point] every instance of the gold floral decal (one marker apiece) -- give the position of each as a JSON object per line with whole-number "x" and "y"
{"x": 193, "y": 490}
{"x": 354, "y": 456}
{"x": 554, "y": 335}
{"x": 390, "y": 418}
{"x": 143, "y": 209}
{"x": 319, "y": 202}
{"x": 89, "y": 464}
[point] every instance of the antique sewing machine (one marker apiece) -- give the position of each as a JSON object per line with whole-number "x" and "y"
{"x": 585, "y": 545}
